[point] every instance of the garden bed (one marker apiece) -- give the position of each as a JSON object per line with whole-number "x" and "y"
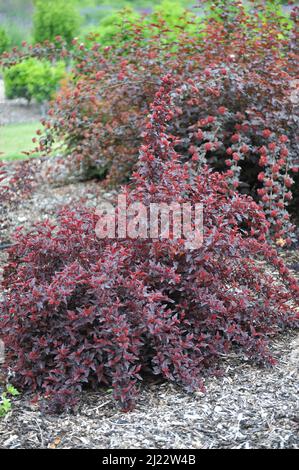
{"x": 195, "y": 110}
{"x": 249, "y": 407}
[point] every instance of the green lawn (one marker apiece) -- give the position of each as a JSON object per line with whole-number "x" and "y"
{"x": 17, "y": 138}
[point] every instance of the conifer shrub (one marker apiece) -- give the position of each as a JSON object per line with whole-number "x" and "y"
{"x": 33, "y": 79}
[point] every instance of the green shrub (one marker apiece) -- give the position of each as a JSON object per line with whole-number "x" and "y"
{"x": 33, "y": 79}
{"x": 4, "y": 40}
{"x": 176, "y": 18}
{"x": 119, "y": 26}
{"x": 117, "y": 23}
{"x": 266, "y": 12}
{"x": 54, "y": 18}
{"x": 5, "y": 399}
{"x": 17, "y": 33}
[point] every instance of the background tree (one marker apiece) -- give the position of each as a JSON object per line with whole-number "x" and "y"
{"x": 33, "y": 79}
{"x": 4, "y": 41}
{"x": 55, "y": 18}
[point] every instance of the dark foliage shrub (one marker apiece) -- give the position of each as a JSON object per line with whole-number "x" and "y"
{"x": 239, "y": 66}
{"x": 254, "y": 159}
{"x": 15, "y": 181}
{"x": 79, "y": 311}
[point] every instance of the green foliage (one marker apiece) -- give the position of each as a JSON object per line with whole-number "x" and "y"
{"x": 176, "y": 18}
{"x": 5, "y": 400}
{"x": 168, "y": 15}
{"x": 265, "y": 12}
{"x": 33, "y": 79}
{"x": 11, "y": 390}
{"x": 274, "y": 10}
{"x": 17, "y": 34}
{"x": 54, "y": 18}
{"x": 263, "y": 16}
{"x": 173, "y": 13}
{"x": 4, "y": 40}
{"x": 117, "y": 23}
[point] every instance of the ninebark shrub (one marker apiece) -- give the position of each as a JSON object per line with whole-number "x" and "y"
{"x": 243, "y": 63}
{"x": 79, "y": 311}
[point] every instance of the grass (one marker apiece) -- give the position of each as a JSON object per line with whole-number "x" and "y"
{"x": 17, "y": 138}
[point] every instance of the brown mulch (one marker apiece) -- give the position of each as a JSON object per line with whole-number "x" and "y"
{"x": 249, "y": 407}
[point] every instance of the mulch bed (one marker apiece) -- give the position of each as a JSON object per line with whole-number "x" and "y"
{"x": 249, "y": 407}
